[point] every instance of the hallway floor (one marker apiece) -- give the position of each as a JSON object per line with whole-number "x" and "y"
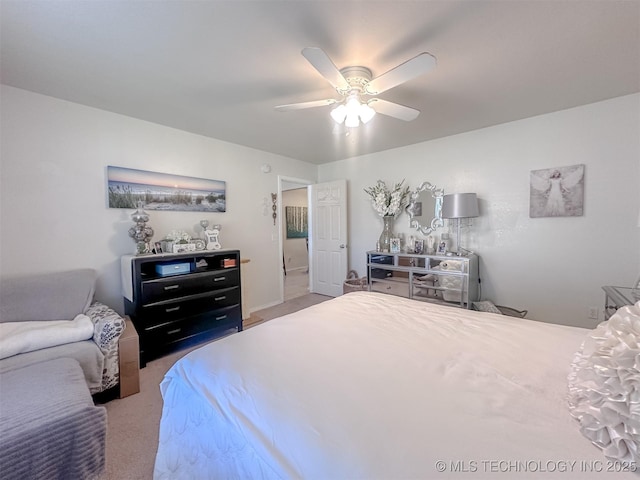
{"x": 296, "y": 284}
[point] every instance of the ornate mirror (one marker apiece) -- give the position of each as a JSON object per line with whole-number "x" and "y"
{"x": 425, "y": 208}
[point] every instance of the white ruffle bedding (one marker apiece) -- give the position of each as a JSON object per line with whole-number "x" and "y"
{"x": 374, "y": 386}
{"x": 604, "y": 385}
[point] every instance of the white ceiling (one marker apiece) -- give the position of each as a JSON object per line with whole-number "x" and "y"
{"x": 217, "y": 68}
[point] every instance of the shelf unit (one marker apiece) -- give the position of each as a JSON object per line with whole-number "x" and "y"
{"x": 447, "y": 280}
{"x": 616, "y": 297}
{"x": 200, "y": 301}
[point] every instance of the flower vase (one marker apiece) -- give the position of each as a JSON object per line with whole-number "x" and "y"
{"x": 387, "y": 232}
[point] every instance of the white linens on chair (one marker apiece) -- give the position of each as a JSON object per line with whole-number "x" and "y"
{"x": 23, "y": 337}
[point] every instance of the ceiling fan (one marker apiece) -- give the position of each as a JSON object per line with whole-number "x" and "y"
{"x": 354, "y": 83}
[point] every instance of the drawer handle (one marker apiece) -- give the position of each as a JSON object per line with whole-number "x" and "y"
{"x": 222, "y": 317}
{"x": 174, "y": 309}
{"x": 219, "y": 279}
{"x": 171, "y": 287}
{"x": 217, "y": 299}
{"x": 171, "y": 332}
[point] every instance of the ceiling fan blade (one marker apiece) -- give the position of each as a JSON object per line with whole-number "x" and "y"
{"x": 325, "y": 67}
{"x": 404, "y": 72}
{"x": 394, "y": 110}
{"x": 300, "y": 106}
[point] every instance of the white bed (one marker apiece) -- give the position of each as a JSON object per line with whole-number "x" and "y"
{"x": 373, "y": 386}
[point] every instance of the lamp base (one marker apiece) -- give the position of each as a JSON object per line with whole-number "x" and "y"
{"x": 460, "y": 251}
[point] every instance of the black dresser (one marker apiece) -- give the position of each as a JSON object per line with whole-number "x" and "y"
{"x": 175, "y": 300}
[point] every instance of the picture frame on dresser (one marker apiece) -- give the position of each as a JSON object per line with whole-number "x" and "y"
{"x": 213, "y": 243}
{"x": 394, "y": 246}
{"x": 418, "y": 246}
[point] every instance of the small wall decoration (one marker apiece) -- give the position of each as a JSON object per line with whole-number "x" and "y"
{"x": 557, "y": 192}
{"x": 162, "y": 191}
{"x": 296, "y": 221}
{"x": 274, "y": 207}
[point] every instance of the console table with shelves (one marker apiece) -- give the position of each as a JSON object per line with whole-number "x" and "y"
{"x": 433, "y": 278}
{"x": 180, "y": 299}
{"x": 616, "y": 297}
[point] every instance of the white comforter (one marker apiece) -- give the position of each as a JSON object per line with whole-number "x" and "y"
{"x": 373, "y": 386}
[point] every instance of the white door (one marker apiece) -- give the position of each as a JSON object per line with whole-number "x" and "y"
{"x": 328, "y": 234}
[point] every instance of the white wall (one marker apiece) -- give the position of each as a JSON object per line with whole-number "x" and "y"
{"x": 53, "y": 214}
{"x": 554, "y": 267}
{"x": 53, "y": 211}
{"x": 296, "y": 255}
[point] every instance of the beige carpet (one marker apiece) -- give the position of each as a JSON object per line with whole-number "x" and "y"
{"x": 132, "y": 433}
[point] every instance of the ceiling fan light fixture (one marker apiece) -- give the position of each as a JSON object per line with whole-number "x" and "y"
{"x": 366, "y": 113}
{"x": 352, "y": 112}
{"x": 352, "y": 120}
{"x": 339, "y": 114}
{"x": 352, "y": 82}
{"x": 353, "y": 105}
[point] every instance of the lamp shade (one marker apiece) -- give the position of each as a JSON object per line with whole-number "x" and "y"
{"x": 460, "y": 205}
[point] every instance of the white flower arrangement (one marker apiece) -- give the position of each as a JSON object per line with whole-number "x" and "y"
{"x": 178, "y": 236}
{"x": 388, "y": 202}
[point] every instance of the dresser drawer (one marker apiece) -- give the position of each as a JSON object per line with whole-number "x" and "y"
{"x": 179, "y": 286}
{"x": 195, "y": 304}
{"x": 399, "y": 289}
{"x": 177, "y": 330}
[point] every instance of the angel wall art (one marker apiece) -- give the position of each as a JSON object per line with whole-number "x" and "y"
{"x": 557, "y": 192}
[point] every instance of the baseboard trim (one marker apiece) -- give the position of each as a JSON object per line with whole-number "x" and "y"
{"x": 262, "y": 307}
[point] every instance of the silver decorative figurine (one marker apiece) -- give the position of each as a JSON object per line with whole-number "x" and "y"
{"x": 140, "y": 232}
{"x": 204, "y": 224}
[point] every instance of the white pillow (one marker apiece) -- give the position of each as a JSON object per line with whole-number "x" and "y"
{"x": 604, "y": 385}
{"x": 455, "y": 265}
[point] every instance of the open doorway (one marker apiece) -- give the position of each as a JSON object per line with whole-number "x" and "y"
{"x": 294, "y": 235}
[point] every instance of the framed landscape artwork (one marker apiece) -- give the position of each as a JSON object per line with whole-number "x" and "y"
{"x": 296, "y": 222}
{"x": 163, "y": 191}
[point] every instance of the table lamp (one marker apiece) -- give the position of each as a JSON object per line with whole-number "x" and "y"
{"x": 457, "y": 206}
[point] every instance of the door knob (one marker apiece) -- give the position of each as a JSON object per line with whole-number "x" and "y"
{"x": 342, "y": 245}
